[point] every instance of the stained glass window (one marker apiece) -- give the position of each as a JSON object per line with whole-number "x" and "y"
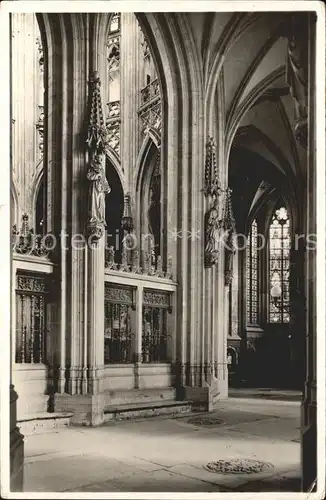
{"x": 279, "y": 267}
{"x": 115, "y": 22}
{"x": 252, "y": 275}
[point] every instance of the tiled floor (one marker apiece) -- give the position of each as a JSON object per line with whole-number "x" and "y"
{"x": 169, "y": 453}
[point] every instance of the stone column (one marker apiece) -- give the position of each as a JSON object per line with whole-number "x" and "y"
{"x": 130, "y": 96}
{"x": 16, "y": 439}
{"x": 309, "y": 406}
{"x": 98, "y": 189}
{"x": 221, "y": 333}
{"x": 138, "y": 333}
{"x": 301, "y": 79}
{"x": 78, "y": 273}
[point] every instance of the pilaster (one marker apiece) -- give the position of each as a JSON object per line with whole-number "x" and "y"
{"x": 309, "y": 405}
{"x": 130, "y": 95}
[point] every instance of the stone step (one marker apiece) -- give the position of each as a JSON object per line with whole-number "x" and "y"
{"x": 131, "y": 396}
{"x": 142, "y": 410}
{"x": 43, "y": 422}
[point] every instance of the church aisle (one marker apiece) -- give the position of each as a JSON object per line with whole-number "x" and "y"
{"x": 170, "y": 454}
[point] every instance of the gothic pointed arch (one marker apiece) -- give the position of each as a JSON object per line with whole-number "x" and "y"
{"x": 149, "y": 197}
{"x": 114, "y": 205}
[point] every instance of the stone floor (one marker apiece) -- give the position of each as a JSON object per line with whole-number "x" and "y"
{"x": 168, "y": 454}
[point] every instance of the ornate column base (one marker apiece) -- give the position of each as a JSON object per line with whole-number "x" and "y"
{"x": 202, "y": 387}
{"x": 87, "y": 409}
{"x": 16, "y": 447}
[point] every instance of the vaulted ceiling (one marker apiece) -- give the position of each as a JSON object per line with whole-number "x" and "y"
{"x": 259, "y": 111}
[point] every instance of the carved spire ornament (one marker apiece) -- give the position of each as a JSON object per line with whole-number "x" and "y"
{"x": 97, "y": 144}
{"x": 212, "y": 175}
{"x": 26, "y": 242}
{"x": 126, "y": 221}
{"x": 229, "y": 244}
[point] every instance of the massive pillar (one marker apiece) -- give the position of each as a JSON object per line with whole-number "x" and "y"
{"x": 16, "y": 439}
{"x": 75, "y": 212}
{"x": 130, "y": 97}
{"x": 309, "y": 406}
{"x": 301, "y": 79}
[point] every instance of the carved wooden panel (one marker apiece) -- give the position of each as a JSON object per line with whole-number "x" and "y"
{"x": 30, "y": 283}
{"x": 118, "y": 294}
{"x": 156, "y": 298}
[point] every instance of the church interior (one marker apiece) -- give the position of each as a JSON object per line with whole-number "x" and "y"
{"x": 163, "y": 172}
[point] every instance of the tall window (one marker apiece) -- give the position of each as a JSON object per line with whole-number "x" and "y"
{"x": 115, "y": 23}
{"x": 279, "y": 266}
{"x": 154, "y": 209}
{"x": 252, "y": 275}
{"x": 113, "y": 58}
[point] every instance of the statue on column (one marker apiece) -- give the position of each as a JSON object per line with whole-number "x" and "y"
{"x": 212, "y": 226}
{"x": 97, "y": 144}
{"x": 297, "y": 73}
{"x": 99, "y": 187}
{"x": 229, "y": 246}
{"x": 212, "y": 191}
{"x": 229, "y": 255}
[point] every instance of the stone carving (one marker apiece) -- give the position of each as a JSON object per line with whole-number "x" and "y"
{"x": 113, "y": 127}
{"x": 159, "y": 267}
{"x": 156, "y": 298}
{"x": 118, "y": 295}
{"x": 113, "y": 53}
{"x": 109, "y": 256}
{"x": 40, "y": 53}
{"x": 212, "y": 181}
{"x": 212, "y": 226}
{"x": 152, "y": 118}
{"x": 97, "y": 144}
{"x": 205, "y": 421}
{"x": 98, "y": 188}
{"x": 113, "y": 109}
{"x": 144, "y": 44}
{"x": 169, "y": 264}
{"x": 297, "y": 73}
{"x": 135, "y": 262}
{"x": 213, "y": 217}
{"x": 229, "y": 253}
{"x": 131, "y": 263}
{"x": 150, "y": 92}
{"x": 30, "y": 284}
{"x": 229, "y": 243}
{"x": 238, "y": 466}
{"x": 126, "y": 221}
{"x": 40, "y": 128}
{"x": 26, "y": 242}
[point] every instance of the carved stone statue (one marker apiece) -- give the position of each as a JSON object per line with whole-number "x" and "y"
{"x": 98, "y": 188}
{"x": 297, "y": 74}
{"x": 96, "y": 141}
{"x": 212, "y": 225}
{"x": 229, "y": 254}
